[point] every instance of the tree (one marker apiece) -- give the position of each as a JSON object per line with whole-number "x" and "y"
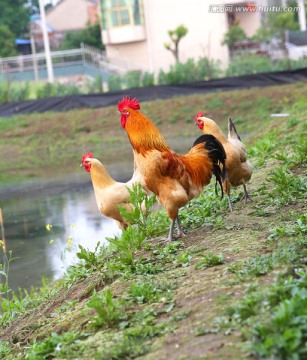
{"x": 91, "y": 35}
{"x": 276, "y": 24}
{"x": 15, "y": 15}
{"x": 7, "y": 42}
{"x": 233, "y": 35}
{"x": 176, "y": 35}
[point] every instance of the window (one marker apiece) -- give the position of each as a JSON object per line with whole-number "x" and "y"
{"x": 117, "y": 13}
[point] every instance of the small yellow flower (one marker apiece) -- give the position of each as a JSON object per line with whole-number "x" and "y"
{"x": 72, "y": 226}
{"x": 51, "y": 241}
{"x": 48, "y": 227}
{"x": 69, "y": 242}
{"x": 2, "y": 245}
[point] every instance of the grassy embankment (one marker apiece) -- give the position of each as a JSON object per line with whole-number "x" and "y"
{"x": 234, "y": 286}
{"x": 50, "y": 145}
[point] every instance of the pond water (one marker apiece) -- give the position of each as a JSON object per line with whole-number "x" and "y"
{"x": 41, "y": 253}
{"x": 70, "y": 207}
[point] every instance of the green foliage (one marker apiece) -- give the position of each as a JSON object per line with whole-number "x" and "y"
{"x": 210, "y": 260}
{"x": 233, "y": 35}
{"x": 5, "y": 348}
{"x": 126, "y": 245}
{"x": 176, "y": 35}
{"x": 7, "y": 305}
{"x": 15, "y": 16}
{"x": 248, "y": 64}
{"x": 90, "y": 258}
{"x": 288, "y": 187}
{"x": 149, "y": 292}
{"x": 139, "y": 215}
{"x": 148, "y": 79}
{"x": 208, "y": 69}
{"x": 191, "y": 70}
{"x": 95, "y": 86}
{"x": 263, "y": 148}
{"x": 53, "y": 346}
{"x": 274, "y": 319}
{"x": 184, "y": 258}
{"x": 56, "y": 89}
{"x": 133, "y": 79}
{"x": 110, "y": 311}
{"x": 14, "y": 92}
{"x": 91, "y": 35}
{"x": 279, "y": 22}
{"x": 7, "y": 42}
{"x": 126, "y": 347}
{"x": 114, "y": 82}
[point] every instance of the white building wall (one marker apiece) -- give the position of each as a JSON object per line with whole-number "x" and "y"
{"x": 205, "y": 33}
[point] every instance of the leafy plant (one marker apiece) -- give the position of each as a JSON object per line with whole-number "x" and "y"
{"x": 148, "y": 79}
{"x": 274, "y": 319}
{"x": 6, "y": 303}
{"x": 209, "y": 260}
{"x": 233, "y": 35}
{"x": 149, "y": 222}
{"x": 133, "y": 79}
{"x": 287, "y": 186}
{"x": 127, "y": 244}
{"x": 114, "y": 82}
{"x": 110, "y": 311}
{"x": 52, "y": 346}
{"x": 90, "y": 258}
{"x": 150, "y": 292}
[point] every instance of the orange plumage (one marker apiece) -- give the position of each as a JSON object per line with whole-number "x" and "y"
{"x": 174, "y": 178}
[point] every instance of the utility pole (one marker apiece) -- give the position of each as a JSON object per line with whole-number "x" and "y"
{"x": 302, "y": 15}
{"x": 33, "y": 50}
{"x": 46, "y": 42}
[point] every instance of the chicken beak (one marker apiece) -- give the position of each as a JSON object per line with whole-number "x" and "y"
{"x": 81, "y": 165}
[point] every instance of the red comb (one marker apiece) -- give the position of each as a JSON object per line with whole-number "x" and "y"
{"x": 87, "y": 155}
{"x": 129, "y": 102}
{"x": 199, "y": 114}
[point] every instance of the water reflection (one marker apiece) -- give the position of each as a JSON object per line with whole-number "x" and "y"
{"x": 71, "y": 215}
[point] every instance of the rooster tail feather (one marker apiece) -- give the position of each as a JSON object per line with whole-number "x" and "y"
{"x": 232, "y": 131}
{"x": 216, "y": 153}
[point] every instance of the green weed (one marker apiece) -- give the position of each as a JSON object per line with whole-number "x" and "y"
{"x": 147, "y": 223}
{"x": 54, "y": 346}
{"x": 210, "y": 260}
{"x": 110, "y": 311}
{"x": 150, "y": 292}
{"x": 288, "y": 187}
{"x": 126, "y": 245}
{"x": 274, "y": 319}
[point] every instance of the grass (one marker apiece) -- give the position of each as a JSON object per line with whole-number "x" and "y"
{"x": 234, "y": 286}
{"x": 53, "y": 143}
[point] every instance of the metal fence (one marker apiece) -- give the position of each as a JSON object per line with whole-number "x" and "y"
{"x": 86, "y": 55}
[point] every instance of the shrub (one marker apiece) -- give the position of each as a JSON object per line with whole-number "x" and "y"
{"x": 208, "y": 69}
{"x": 148, "y": 79}
{"x": 14, "y": 92}
{"x": 248, "y": 64}
{"x": 114, "y": 82}
{"x": 133, "y": 79}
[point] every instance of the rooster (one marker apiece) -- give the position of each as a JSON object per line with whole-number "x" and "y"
{"x": 238, "y": 167}
{"x": 108, "y": 192}
{"x": 174, "y": 179}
